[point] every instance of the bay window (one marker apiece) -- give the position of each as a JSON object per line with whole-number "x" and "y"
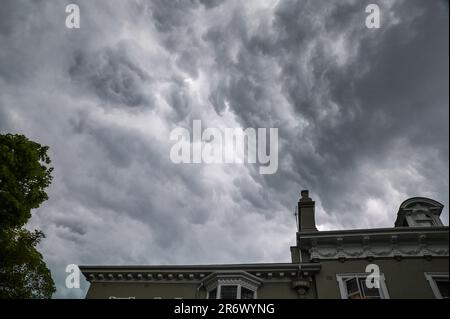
{"x": 239, "y": 285}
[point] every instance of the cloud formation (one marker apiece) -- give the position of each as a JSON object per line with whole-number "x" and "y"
{"x": 362, "y": 117}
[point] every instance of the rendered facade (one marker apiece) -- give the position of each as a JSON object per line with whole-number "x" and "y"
{"x": 409, "y": 260}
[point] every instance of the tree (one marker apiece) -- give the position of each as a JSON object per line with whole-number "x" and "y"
{"x": 24, "y": 175}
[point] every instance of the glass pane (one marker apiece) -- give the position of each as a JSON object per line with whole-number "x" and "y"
{"x": 369, "y": 293}
{"x": 424, "y": 223}
{"x": 213, "y": 294}
{"x": 352, "y": 286}
{"x": 228, "y": 292}
{"x": 442, "y": 285}
{"x": 247, "y": 293}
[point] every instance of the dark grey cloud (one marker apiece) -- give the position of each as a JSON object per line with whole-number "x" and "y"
{"x": 112, "y": 76}
{"x": 393, "y": 90}
{"x": 362, "y": 117}
{"x": 170, "y": 16}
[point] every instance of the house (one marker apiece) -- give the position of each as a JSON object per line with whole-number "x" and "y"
{"x": 409, "y": 260}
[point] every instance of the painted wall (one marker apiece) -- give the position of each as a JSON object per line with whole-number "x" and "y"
{"x": 404, "y": 279}
{"x": 275, "y": 289}
{"x": 142, "y": 290}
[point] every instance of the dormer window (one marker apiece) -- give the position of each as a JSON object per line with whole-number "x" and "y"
{"x": 419, "y": 220}
{"x": 423, "y": 220}
{"x": 419, "y": 212}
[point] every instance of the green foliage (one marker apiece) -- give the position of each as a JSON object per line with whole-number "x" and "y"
{"x": 24, "y": 176}
{"x": 23, "y": 273}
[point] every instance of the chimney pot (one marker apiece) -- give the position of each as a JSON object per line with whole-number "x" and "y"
{"x": 305, "y": 196}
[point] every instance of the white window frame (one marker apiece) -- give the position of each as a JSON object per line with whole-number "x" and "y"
{"x": 341, "y": 279}
{"x": 431, "y": 278}
{"x": 238, "y": 294}
{"x": 231, "y": 278}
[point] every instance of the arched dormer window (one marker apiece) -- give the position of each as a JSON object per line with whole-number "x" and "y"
{"x": 419, "y": 212}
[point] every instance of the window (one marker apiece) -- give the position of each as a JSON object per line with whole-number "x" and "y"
{"x": 442, "y": 285}
{"x": 231, "y": 285}
{"x": 424, "y": 220}
{"x": 439, "y": 284}
{"x": 353, "y": 286}
{"x": 423, "y": 223}
{"x": 357, "y": 289}
{"x": 247, "y": 293}
{"x": 231, "y": 292}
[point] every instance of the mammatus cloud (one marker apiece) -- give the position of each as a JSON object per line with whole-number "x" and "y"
{"x": 362, "y": 117}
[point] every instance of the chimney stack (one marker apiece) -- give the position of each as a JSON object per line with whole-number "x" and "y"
{"x": 306, "y": 214}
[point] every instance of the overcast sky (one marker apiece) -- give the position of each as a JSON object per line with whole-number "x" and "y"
{"x": 363, "y": 119}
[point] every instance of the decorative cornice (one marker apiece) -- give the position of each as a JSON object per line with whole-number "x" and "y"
{"x": 167, "y": 274}
{"x": 318, "y": 253}
{"x": 441, "y": 231}
{"x": 384, "y": 244}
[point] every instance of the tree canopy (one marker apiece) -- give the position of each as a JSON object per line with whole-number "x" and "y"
{"x": 25, "y": 173}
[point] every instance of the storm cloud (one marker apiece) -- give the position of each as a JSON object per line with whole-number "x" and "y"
{"x": 362, "y": 117}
